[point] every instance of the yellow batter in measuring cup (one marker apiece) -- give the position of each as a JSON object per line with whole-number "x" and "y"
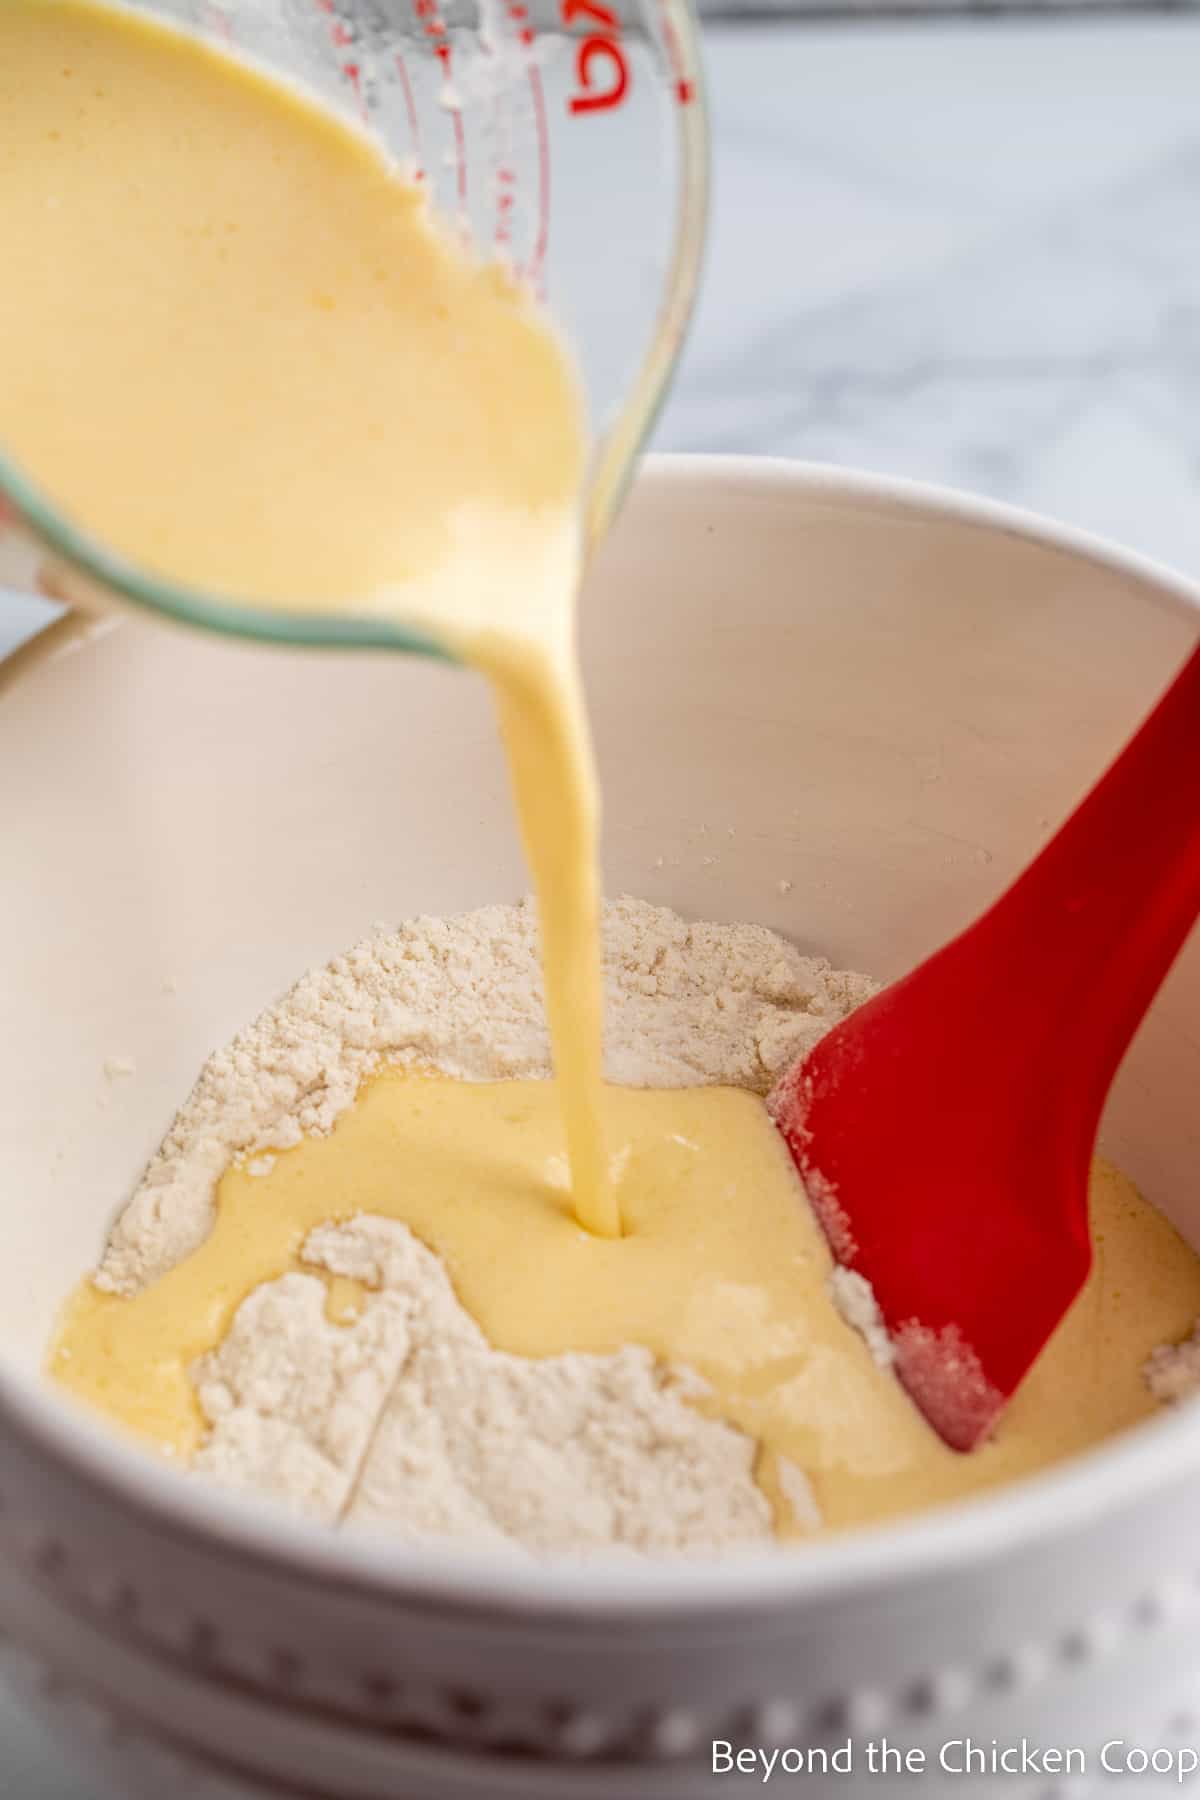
{"x": 523, "y": 132}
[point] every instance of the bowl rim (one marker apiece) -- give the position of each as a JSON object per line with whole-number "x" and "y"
{"x": 1037, "y": 1511}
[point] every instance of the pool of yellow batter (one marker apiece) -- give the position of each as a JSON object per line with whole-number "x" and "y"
{"x": 721, "y": 1267}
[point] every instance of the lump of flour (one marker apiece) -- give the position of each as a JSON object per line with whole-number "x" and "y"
{"x": 406, "y": 1419}
{"x": 292, "y": 1399}
{"x": 854, "y": 1298}
{"x": 1172, "y": 1372}
{"x": 564, "y": 1453}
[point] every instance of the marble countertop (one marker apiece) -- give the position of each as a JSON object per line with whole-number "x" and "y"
{"x": 966, "y": 252}
{"x": 962, "y": 250}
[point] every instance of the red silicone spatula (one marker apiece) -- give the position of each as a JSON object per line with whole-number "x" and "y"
{"x": 944, "y": 1130}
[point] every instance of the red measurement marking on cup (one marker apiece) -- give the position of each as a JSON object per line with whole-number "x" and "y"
{"x": 601, "y": 65}
{"x": 460, "y": 142}
{"x": 428, "y": 12}
{"x": 537, "y": 262}
{"x": 414, "y": 123}
{"x": 517, "y": 13}
{"x": 216, "y": 19}
{"x": 506, "y": 199}
{"x": 506, "y": 175}
{"x": 684, "y": 86}
{"x": 343, "y": 39}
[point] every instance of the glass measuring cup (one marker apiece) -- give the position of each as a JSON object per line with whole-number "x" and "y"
{"x": 566, "y": 136}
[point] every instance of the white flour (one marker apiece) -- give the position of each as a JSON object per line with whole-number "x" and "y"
{"x": 406, "y": 1419}
{"x": 854, "y": 1298}
{"x": 1172, "y": 1371}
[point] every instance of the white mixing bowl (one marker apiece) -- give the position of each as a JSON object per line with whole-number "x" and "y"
{"x": 847, "y": 708}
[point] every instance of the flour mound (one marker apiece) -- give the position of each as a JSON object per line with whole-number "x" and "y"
{"x": 687, "y": 1004}
{"x": 406, "y": 1420}
{"x": 563, "y": 1453}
